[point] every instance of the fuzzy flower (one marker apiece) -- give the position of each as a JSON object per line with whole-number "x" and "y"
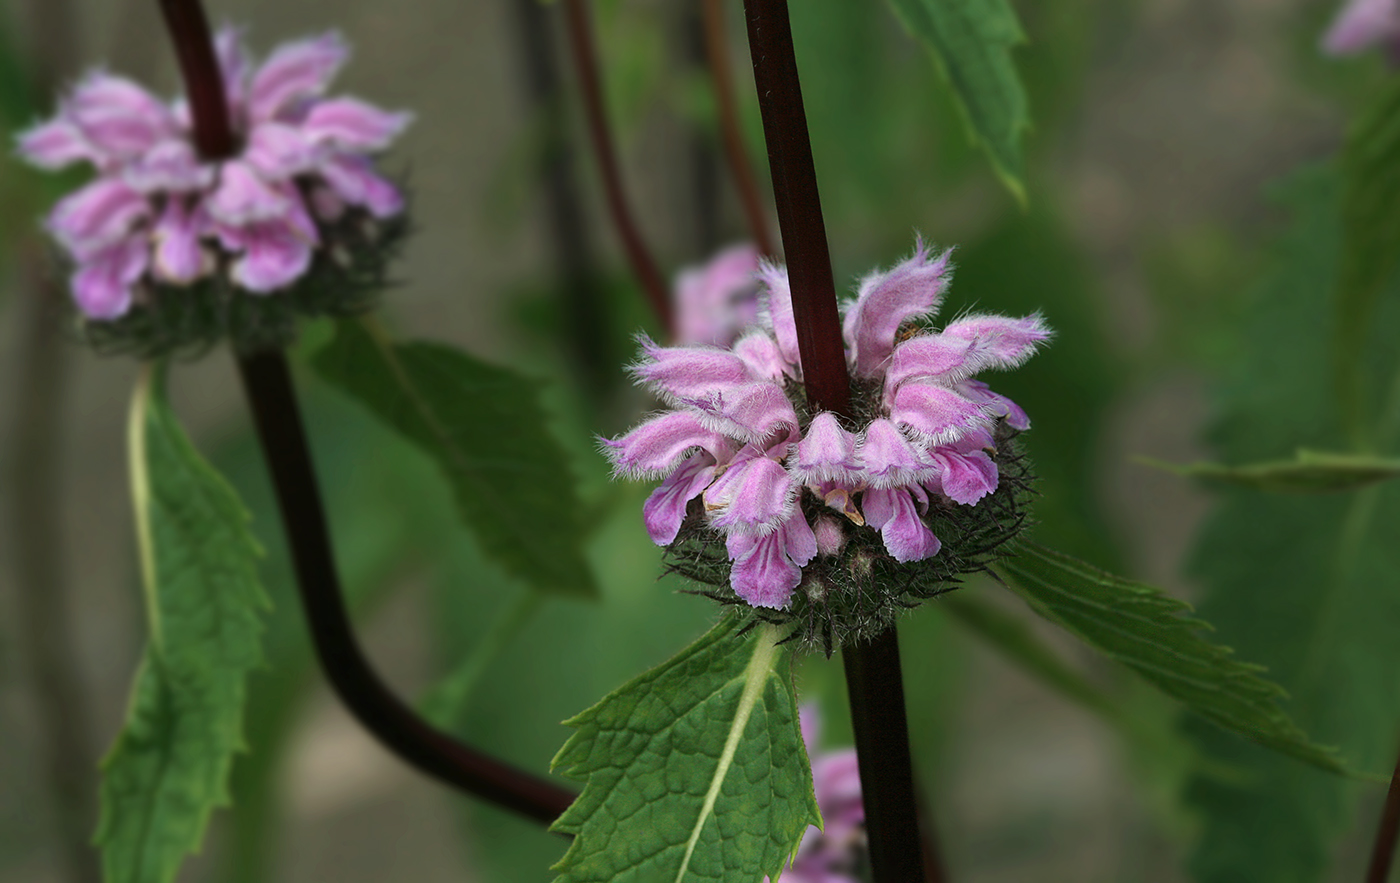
{"x": 1363, "y": 24}
{"x": 716, "y": 301}
{"x": 829, "y": 854}
{"x": 158, "y": 212}
{"x": 738, "y": 450}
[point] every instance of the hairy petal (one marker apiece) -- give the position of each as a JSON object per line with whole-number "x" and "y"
{"x": 886, "y": 300}
{"x": 715, "y": 301}
{"x": 762, "y": 573}
{"x": 762, "y": 356}
{"x": 827, "y": 452}
{"x": 995, "y": 404}
{"x": 169, "y": 167}
{"x": 97, "y": 216}
{"x": 935, "y": 357}
{"x": 55, "y": 144}
{"x": 279, "y": 151}
{"x": 688, "y": 373}
{"x": 1005, "y": 342}
{"x": 117, "y": 116}
{"x": 774, "y": 279}
{"x": 753, "y": 495}
{"x": 179, "y": 257}
{"x": 892, "y": 512}
{"x": 664, "y": 510}
{"x": 275, "y": 254}
{"x": 354, "y": 180}
{"x": 889, "y": 459}
{"x": 751, "y": 411}
{"x": 935, "y": 412}
{"x": 658, "y": 445}
{"x": 353, "y": 125}
{"x": 295, "y": 71}
{"x": 244, "y": 197}
{"x": 102, "y": 286}
{"x": 233, "y": 62}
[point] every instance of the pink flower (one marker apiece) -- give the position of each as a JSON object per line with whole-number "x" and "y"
{"x": 717, "y": 301}
{"x": 829, "y": 854}
{"x": 733, "y": 439}
{"x": 159, "y": 211}
{"x": 1362, "y": 24}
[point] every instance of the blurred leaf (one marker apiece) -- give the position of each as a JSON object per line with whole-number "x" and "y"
{"x": 656, "y": 783}
{"x": 971, "y": 43}
{"x": 1304, "y": 584}
{"x": 1370, "y": 244}
{"x": 1150, "y": 633}
{"x": 170, "y": 764}
{"x": 484, "y": 427}
{"x": 1309, "y": 472}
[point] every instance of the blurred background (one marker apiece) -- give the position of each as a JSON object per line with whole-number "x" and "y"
{"x": 1159, "y": 125}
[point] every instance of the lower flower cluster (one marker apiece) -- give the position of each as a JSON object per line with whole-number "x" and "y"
{"x": 815, "y": 500}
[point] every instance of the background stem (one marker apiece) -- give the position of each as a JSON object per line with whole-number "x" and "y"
{"x": 1383, "y": 850}
{"x": 654, "y": 286}
{"x": 267, "y": 383}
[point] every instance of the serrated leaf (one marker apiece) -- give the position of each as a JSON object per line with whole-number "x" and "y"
{"x": 1152, "y": 634}
{"x": 971, "y": 42}
{"x": 697, "y": 766}
{"x": 1309, "y": 472}
{"x": 169, "y": 767}
{"x": 1304, "y": 584}
{"x": 1371, "y": 230}
{"x": 484, "y": 427}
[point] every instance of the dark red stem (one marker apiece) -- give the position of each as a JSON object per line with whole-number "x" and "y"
{"x": 799, "y": 207}
{"x": 269, "y": 389}
{"x": 580, "y": 30}
{"x": 1383, "y": 852}
{"x": 204, "y": 82}
{"x": 873, "y": 676}
{"x": 717, "y": 51}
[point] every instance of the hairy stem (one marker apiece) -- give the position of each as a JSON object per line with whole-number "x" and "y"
{"x": 268, "y": 385}
{"x": 716, "y": 49}
{"x": 204, "y": 83}
{"x": 874, "y": 681}
{"x": 580, "y": 30}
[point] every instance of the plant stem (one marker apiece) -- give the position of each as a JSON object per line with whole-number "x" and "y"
{"x": 716, "y": 49}
{"x": 874, "y": 681}
{"x": 580, "y": 30}
{"x": 204, "y": 83}
{"x": 1383, "y": 851}
{"x": 268, "y": 385}
{"x": 799, "y": 206}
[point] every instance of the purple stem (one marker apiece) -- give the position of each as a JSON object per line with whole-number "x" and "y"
{"x": 272, "y": 399}
{"x": 874, "y": 681}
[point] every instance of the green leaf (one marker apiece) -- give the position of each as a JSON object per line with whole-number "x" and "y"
{"x": 169, "y": 767}
{"x": 484, "y": 427}
{"x": 1150, "y": 633}
{"x": 971, "y": 43}
{"x": 1304, "y": 584}
{"x": 1371, "y": 232}
{"x": 697, "y": 766}
{"x": 1309, "y": 472}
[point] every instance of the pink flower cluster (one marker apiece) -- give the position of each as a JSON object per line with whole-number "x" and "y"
{"x": 828, "y": 855}
{"x": 733, "y": 436}
{"x": 1363, "y": 24}
{"x": 715, "y": 302}
{"x": 158, "y": 209}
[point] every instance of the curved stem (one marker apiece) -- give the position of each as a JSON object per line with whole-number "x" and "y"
{"x": 1387, "y": 832}
{"x": 204, "y": 83}
{"x": 268, "y": 385}
{"x": 586, "y": 64}
{"x": 739, "y": 166}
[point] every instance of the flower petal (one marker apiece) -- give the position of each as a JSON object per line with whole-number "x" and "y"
{"x": 934, "y": 357}
{"x": 826, "y": 453}
{"x": 891, "y": 511}
{"x": 687, "y": 373}
{"x": 97, "y": 216}
{"x": 937, "y": 413}
{"x": 774, "y": 279}
{"x": 279, "y": 151}
{"x": 714, "y": 302}
{"x": 233, "y": 62}
{"x": 658, "y": 445}
{"x": 664, "y": 510}
{"x": 55, "y": 144}
{"x": 102, "y": 286}
{"x": 297, "y": 70}
{"x": 179, "y": 256}
{"x": 753, "y": 495}
{"x": 887, "y": 300}
{"x": 890, "y": 459}
{"x": 274, "y": 256}
{"x": 964, "y": 476}
{"x": 751, "y": 411}
{"x": 117, "y": 116}
{"x": 353, "y": 178}
{"x": 1361, "y": 25}
{"x": 762, "y": 574}
{"x": 1001, "y": 341}
{"x": 353, "y": 125}
{"x": 244, "y": 197}
{"x": 761, "y": 354}
{"x": 171, "y": 166}
{"x": 996, "y": 405}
